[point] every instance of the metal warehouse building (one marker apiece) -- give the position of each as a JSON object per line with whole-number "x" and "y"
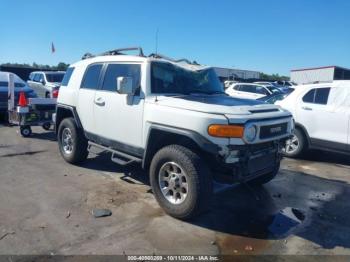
{"x": 319, "y": 74}
{"x": 235, "y": 74}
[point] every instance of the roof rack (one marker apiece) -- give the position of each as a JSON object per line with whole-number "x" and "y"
{"x": 139, "y": 49}
{"x": 173, "y": 60}
{"x": 115, "y": 52}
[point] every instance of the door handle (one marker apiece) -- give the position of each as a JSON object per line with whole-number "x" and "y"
{"x": 99, "y": 101}
{"x": 307, "y": 108}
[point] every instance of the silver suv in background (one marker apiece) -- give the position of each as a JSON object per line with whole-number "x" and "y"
{"x": 45, "y": 82}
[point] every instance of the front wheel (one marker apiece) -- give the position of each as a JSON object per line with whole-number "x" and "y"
{"x": 181, "y": 182}
{"x": 295, "y": 146}
{"x": 72, "y": 142}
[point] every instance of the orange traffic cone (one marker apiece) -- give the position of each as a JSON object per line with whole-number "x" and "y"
{"x": 22, "y": 100}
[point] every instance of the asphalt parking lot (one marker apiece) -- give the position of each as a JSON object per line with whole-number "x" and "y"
{"x": 46, "y": 205}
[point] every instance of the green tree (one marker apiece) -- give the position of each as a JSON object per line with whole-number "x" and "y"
{"x": 273, "y": 77}
{"x": 62, "y": 66}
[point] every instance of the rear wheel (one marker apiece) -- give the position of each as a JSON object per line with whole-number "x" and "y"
{"x": 297, "y": 145}
{"x": 26, "y": 131}
{"x": 181, "y": 182}
{"x": 46, "y": 126}
{"x": 72, "y": 142}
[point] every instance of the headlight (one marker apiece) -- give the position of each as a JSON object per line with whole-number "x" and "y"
{"x": 250, "y": 132}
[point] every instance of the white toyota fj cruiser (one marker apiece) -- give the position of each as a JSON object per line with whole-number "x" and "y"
{"x": 173, "y": 117}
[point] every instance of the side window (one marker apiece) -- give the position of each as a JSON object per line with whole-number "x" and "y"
{"x": 41, "y": 77}
{"x": 322, "y": 96}
{"x": 36, "y": 77}
{"x": 309, "y": 96}
{"x": 317, "y": 96}
{"x": 127, "y": 70}
{"x": 248, "y": 88}
{"x": 236, "y": 87}
{"x": 92, "y": 77}
{"x": 30, "y": 77}
{"x": 243, "y": 88}
{"x": 261, "y": 90}
{"x": 67, "y": 76}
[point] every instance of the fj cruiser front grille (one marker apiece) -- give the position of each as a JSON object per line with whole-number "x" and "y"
{"x": 273, "y": 130}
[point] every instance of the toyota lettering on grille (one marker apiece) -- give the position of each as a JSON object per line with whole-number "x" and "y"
{"x": 275, "y": 129}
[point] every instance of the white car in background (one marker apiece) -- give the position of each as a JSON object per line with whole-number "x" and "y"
{"x": 227, "y": 83}
{"x": 251, "y": 91}
{"x": 289, "y": 84}
{"x": 45, "y": 82}
{"x": 322, "y": 117}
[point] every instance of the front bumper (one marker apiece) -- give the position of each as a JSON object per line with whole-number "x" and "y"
{"x": 251, "y": 161}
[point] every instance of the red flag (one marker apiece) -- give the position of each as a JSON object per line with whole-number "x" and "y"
{"x": 53, "y": 50}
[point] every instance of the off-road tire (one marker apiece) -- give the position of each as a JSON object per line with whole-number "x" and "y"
{"x": 79, "y": 151}
{"x": 200, "y": 187}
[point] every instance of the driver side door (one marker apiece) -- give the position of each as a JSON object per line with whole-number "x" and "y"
{"x": 119, "y": 117}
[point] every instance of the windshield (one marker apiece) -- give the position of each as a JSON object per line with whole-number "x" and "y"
{"x": 171, "y": 79}
{"x": 55, "y": 78}
{"x": 3, "y": 83}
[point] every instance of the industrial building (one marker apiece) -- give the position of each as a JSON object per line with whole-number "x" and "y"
{"x": 236, "y": 74}
{"x": 319, "y": 74}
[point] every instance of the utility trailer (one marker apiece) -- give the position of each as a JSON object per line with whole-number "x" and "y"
{"x": 31, "y": 112}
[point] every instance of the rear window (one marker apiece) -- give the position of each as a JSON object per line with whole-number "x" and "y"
{"x": 67, "y": 76}
{"x": 92, "y": 77}
{"x": 54, "y": 77}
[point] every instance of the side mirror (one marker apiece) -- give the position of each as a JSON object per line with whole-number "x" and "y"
{"x": 42, "y": 81}
{"x": 124, "y": 85}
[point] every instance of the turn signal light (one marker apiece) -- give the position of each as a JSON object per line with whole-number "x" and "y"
{"x": 226, "y": 131}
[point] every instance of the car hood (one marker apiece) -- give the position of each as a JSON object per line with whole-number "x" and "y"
{"x": 216, "y": 104}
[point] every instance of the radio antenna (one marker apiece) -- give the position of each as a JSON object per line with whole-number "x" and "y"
{"x": 157, "y": 41}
